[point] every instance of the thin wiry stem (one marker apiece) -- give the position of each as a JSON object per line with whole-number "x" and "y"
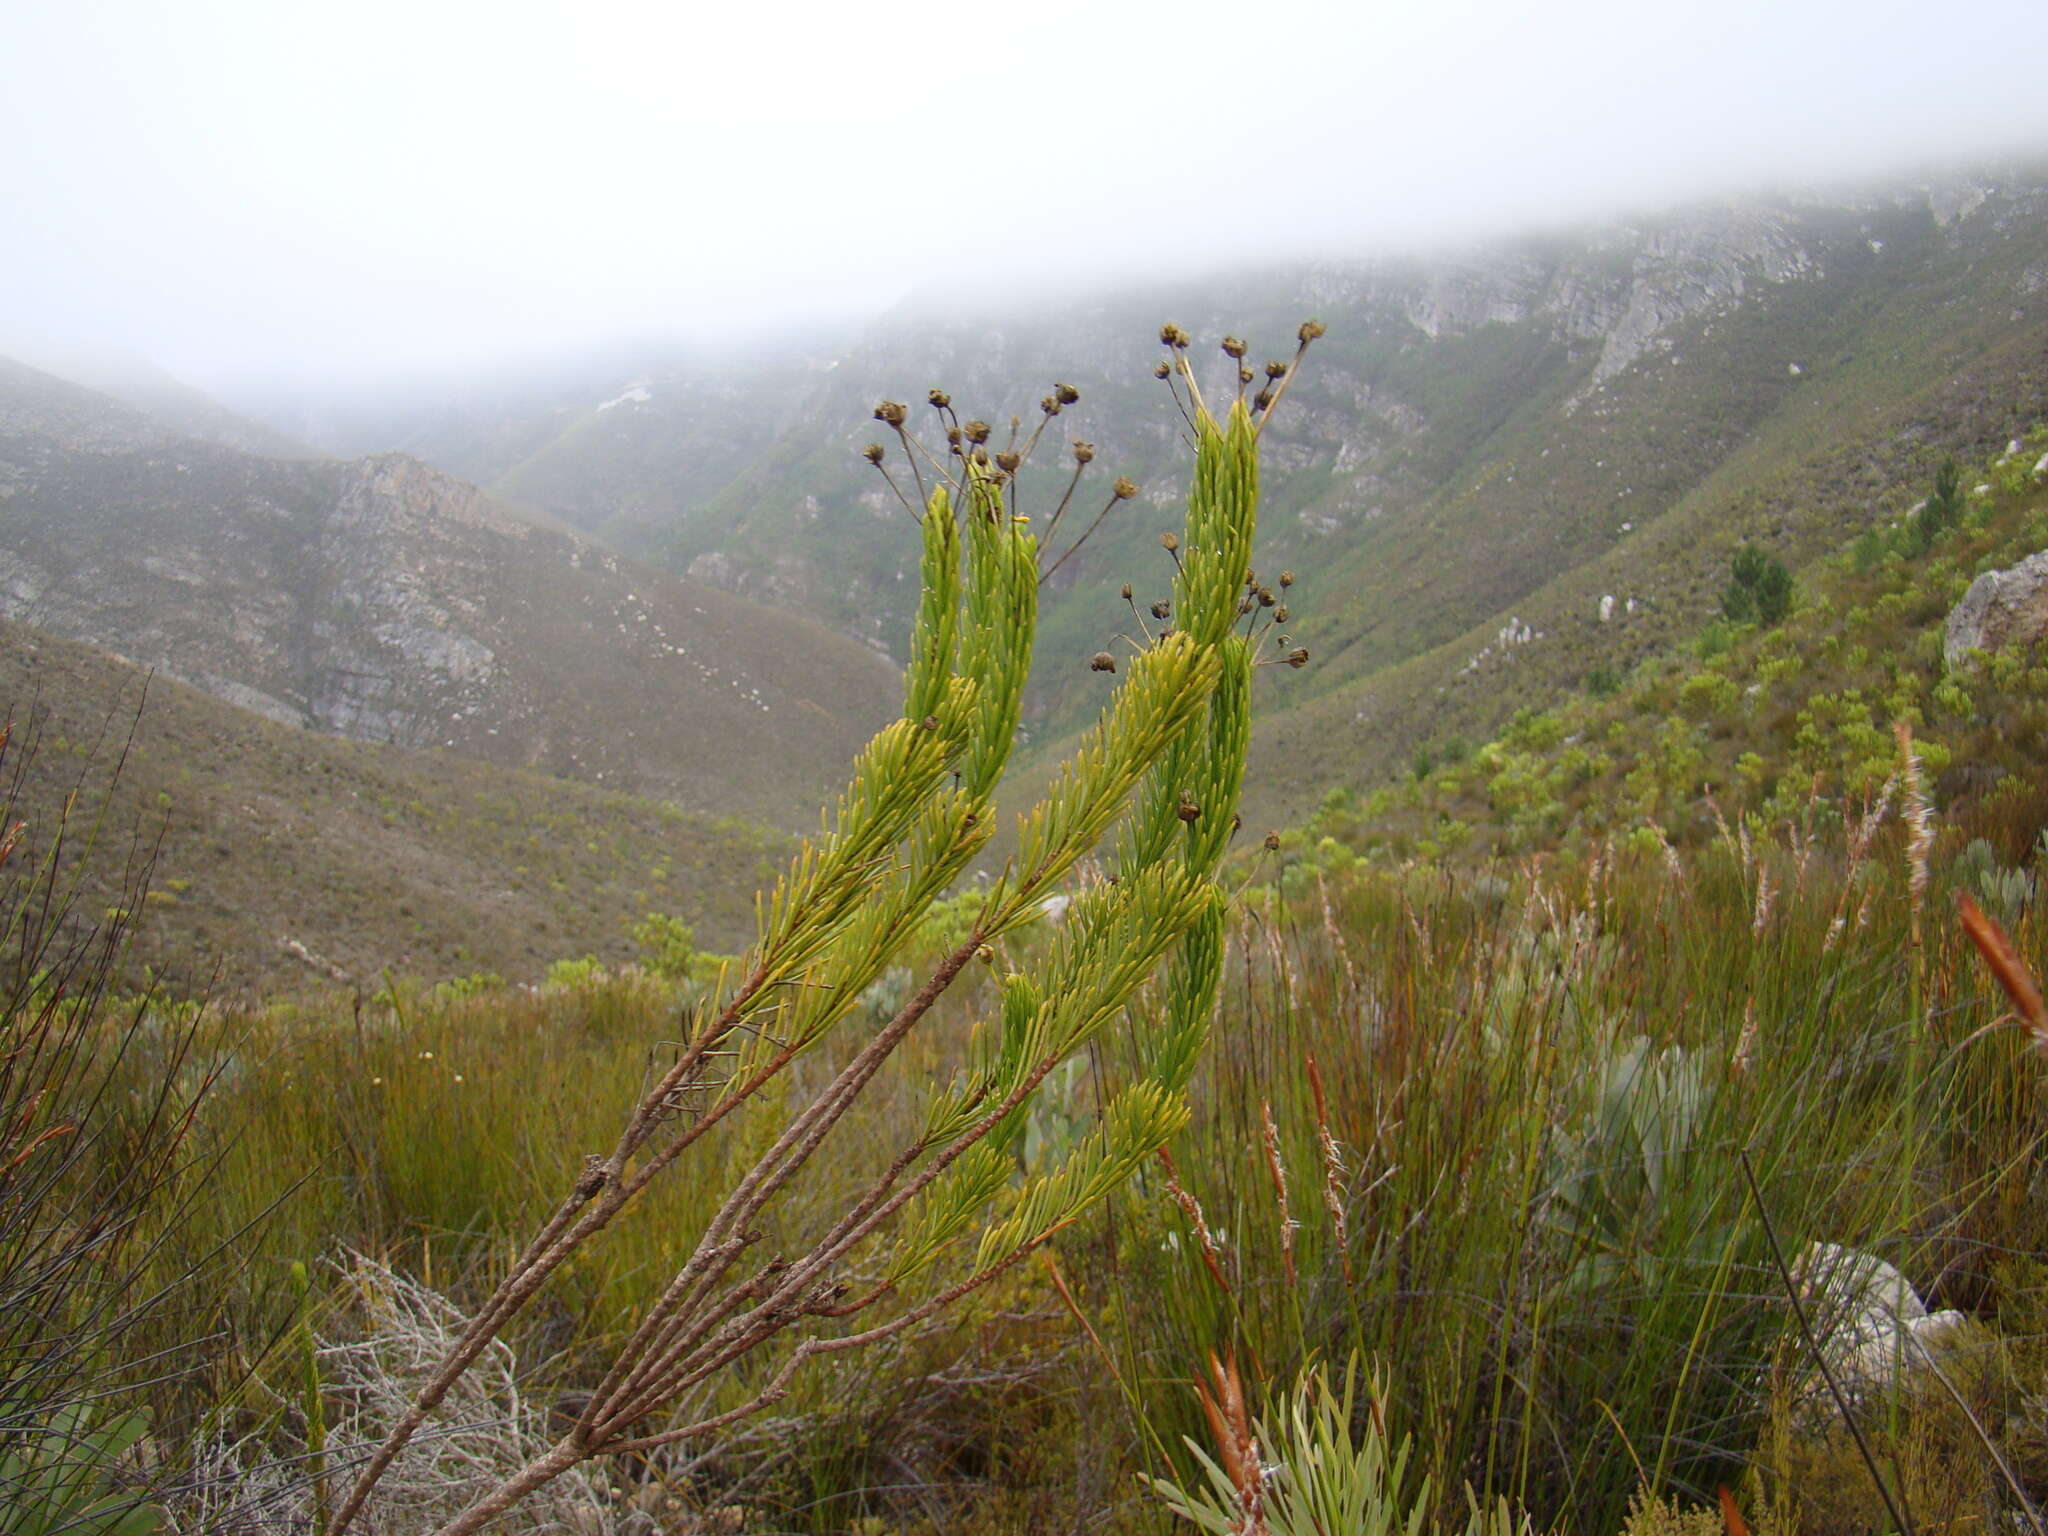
{"x": 1900, "y": 1521}
{"x": 1045, "y": 540}
{"x": 1052, "y": 569}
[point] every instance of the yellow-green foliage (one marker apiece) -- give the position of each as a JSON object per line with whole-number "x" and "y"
{"x": 1758, "y": 720}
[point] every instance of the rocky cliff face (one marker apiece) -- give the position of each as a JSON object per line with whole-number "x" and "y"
{"x": 384, "y": 600}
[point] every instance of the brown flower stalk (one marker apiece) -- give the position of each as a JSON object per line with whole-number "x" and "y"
{"x": 1278, "y": 1169}
{"x": 1237, "y": 1445}
{"x": 2007, "y": 968}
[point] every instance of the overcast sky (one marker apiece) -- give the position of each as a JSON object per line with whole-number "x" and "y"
{"x": 234, "y": 186}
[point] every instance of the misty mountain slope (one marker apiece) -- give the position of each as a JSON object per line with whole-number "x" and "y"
{"x": 1485, "y": 443}
{"x": 168, "y": 402}
{"x": 635, "y": 466}
{"x": 365, "y": 856}
{"x": 384, "y": 600}
{"x": 1475, "y": 425}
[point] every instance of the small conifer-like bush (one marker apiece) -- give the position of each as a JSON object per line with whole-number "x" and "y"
{"x": 1151, "y": 790}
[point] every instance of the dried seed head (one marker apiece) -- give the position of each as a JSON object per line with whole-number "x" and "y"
{"x": 1262, "y": 400}
{"x": 872, "y": 453}
{"x": 1161, "y": 609}
{"x": 1266, "y": 598}
{"x": 1173, "y": 336}
{"x": 892, "y": 412}
{"x": 977, "y": 431}
{"x": 1169, "y": 542}
{"x": 939, "y": 399}
{"x": 1272, "y": 842}
{"x": 1123, "y": 490}
{"x": 1125, "y": 592}
{"x": 1050, "y": 406}
{"x": 1276, "y": 371}
{"x": 953, "y": 438}
{"x": 1244, "y": 375}
{"x": 1102, "y": 661}
{"x": 1233, "y": 348}
{"x": 1280, "y": 614}
{"x": 1008, "y": 462}
{"x": 1066, "y": 394}
{"x": 1160, "y": 370}
{"x": 1298, "y": 657}
{"x": 981, "y": 457}
{"x": 1187, "y": 810}
{"x": 1245, "y": 605}
{"x": 1310, "y": 330}
{"x": 1287, "y": 578}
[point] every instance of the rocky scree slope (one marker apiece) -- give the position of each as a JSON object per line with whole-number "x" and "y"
{"x": 384, "y": 600}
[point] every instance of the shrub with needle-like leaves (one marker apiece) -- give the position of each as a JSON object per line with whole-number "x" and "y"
{"x": 1160, "y": 773}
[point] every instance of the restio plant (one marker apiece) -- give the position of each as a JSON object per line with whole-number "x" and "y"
{"x": 1155, "y": 785}
{"x": 1334, "y": 1468}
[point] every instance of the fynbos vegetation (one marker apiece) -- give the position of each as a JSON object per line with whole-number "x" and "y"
{"x": 1167, "y": 761}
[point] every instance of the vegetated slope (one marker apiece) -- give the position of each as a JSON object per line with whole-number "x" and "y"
{"x": 367, "y": 856}
{"x": 1774, "y": 724}
{"x": 1504, "y": 433}
{"x": 383, "y": 600}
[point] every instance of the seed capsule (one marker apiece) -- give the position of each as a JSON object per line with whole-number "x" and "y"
{"x": 1187, "y": 810}
{"x": 1123, "y": 490}
{"x": 1084, "y": 453}
{"x": 872, "y": 453}
{"x": 1298, "y": 657}
{"x": 939, "y": 399}
{"x": 1272, "y": 842}
{"x": 1310, "y": 330}
{"x": 1169, "y": 542}
{"x": 1102, "y": 661}
{"x": 1066, "y": 394}
{"x": 892, "y": 412}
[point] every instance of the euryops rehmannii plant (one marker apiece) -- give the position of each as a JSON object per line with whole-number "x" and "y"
{"x": 1162, "y": 771}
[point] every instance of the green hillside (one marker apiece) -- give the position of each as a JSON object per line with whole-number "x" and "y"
{"x": 1765, "y": 724}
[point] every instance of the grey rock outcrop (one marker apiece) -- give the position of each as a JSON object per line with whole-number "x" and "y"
{"x": 1874, "y": 1330}
{"x": 2002, "y": 608}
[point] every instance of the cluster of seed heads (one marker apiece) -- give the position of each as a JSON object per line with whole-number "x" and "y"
{"x": 1176, "y": 371}
{"x": 967, "y": 447}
